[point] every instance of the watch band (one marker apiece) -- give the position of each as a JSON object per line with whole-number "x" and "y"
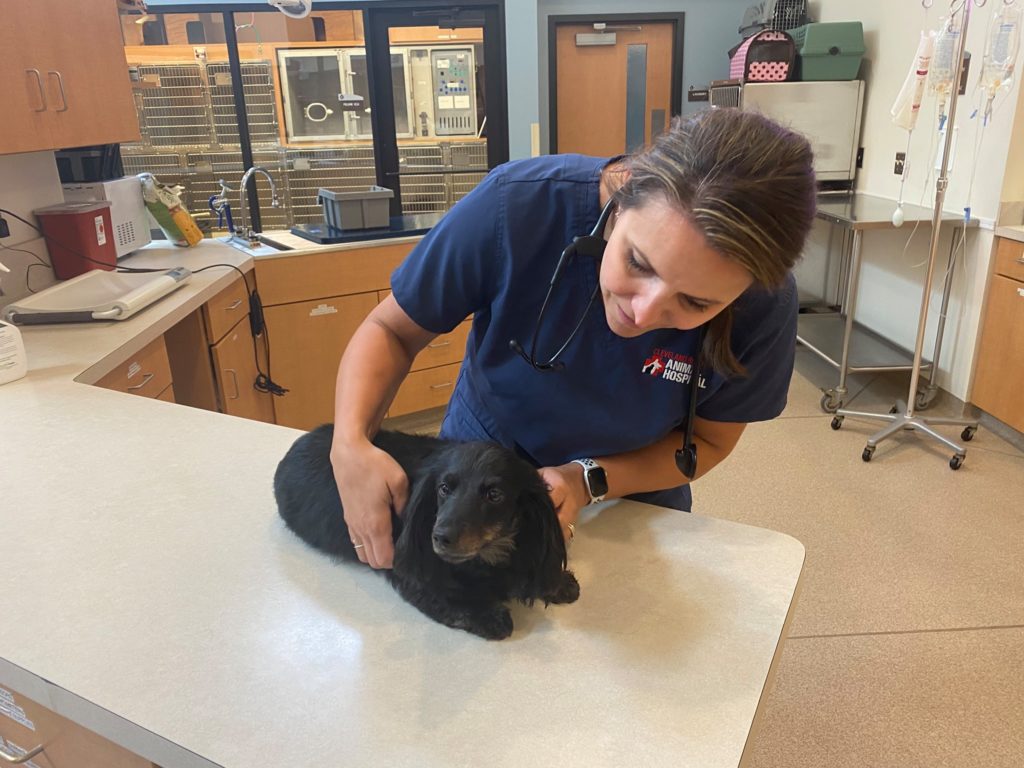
{"x": 591, "y": 468}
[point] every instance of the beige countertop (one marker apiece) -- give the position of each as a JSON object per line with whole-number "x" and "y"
{"x": 150, "y": 593}
{"x": 1011, "y": 232}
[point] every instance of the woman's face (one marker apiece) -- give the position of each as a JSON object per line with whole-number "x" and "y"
{"x": 659, "y": 272}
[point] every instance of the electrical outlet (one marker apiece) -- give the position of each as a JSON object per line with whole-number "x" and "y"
{"x": 901, "y": 163}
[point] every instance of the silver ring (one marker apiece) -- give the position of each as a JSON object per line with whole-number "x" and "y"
{"x": 356, "y": 546}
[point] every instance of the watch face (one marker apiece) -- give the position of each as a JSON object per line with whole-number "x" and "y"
{"x": 597, "y": 481}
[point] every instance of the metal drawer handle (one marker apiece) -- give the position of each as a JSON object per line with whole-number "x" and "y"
{"x": 233, "y": 306}
{"x": 1020, "y": 259}
{"x": 440, "y": 344}
{"x": 234, "y": 377}
{"x": 441, "y": 386}
{"x": 63, "y": 96}
{"x": 7, "y": 757}
{"x": 39, "y": 84}
{"x": 146, "y": 378}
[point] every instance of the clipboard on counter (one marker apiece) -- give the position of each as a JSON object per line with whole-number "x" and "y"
{"x": 96, "y": 296}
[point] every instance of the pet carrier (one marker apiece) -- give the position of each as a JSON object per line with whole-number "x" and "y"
{"x": 766, "y": 57}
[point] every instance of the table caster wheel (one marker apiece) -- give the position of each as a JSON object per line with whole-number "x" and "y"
{"x": 923, "y": 400}
{"x": 837, "y": 422}
{"x": 868, "y": 453}
{"x": 956, "y": 462}
{"x": 968, "y": 434}
{"x": 829, "y": 403}
{"x": 894, "y": 410}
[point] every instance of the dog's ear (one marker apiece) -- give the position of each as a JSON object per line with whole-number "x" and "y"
{"x": 540, "y": 546}
{"x": 414, "y": 554}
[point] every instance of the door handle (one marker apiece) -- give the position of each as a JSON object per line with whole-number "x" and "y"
{"x": 146, "y": 378}
{"x": 63, "y": 96}
{"x": 234, "y": 377}
{"x": 39, "y": 84}
{"x": 11, "y": 759}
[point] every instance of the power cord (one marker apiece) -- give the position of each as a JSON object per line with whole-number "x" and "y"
{"x": 263, "y": 381}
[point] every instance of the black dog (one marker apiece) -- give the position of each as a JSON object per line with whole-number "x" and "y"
{"x": 479, "y": 528}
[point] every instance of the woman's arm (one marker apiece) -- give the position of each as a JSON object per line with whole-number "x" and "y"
{"x": 651, "y": 468}
{"x": 370, "y": 482}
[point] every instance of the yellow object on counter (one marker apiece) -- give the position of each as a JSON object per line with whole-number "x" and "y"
{"x": 187, "y": 225}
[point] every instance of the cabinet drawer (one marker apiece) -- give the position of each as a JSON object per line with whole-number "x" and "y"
{"x": 444, "y": 349}
{"x": 308, "y": 276}
{"x": 1000, "y": 366}
{"x": 1010, "y": 258}
{"x": 146, "y": 373}
{"x": 29, "y": 724}
{"x": 167, "y": 395}
{"x": 225, "y": 309}
{"x": 425, "y": 389}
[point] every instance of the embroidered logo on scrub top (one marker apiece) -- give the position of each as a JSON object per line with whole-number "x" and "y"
{"x": 666, "y": 364}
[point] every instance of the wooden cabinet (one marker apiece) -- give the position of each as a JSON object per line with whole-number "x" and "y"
{"x": 25, "y": 725}
{"x": 314, "y": 304}
{"x": 1000, "y": 366}
{"x": 213, "y": 357}
{"x": 310, "y": 337}
{"x": 65, "y": 78}
{"x": 146, "y": 373}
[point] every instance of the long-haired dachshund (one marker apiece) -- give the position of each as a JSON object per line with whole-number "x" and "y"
{"x": 479, "y": 528}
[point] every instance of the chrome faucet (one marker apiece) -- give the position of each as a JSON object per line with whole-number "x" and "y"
{"x": 248, "y": 232}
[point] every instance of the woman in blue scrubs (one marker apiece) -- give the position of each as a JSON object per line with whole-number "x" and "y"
{"x": 703, "y": 229}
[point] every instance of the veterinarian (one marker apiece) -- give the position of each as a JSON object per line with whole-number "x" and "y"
{"x": 702, "y": 230}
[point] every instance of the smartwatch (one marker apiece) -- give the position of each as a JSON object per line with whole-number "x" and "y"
{"x": 594, "y": 478}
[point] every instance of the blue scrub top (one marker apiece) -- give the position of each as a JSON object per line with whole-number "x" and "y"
{"x": 492, "y": 256}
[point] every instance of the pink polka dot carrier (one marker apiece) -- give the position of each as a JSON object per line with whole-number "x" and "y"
{"x": 766, "y": 57}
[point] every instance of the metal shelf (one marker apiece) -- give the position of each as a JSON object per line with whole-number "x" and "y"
{"x": 869, "y": 352}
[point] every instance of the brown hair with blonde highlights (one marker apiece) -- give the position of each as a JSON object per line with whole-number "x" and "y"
{"x": 745, "y": 182}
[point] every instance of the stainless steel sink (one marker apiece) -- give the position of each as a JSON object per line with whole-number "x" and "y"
{"x": 266, "y": 247}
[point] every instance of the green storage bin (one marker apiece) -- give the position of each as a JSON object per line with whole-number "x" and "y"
{"x": 828, "y": 50}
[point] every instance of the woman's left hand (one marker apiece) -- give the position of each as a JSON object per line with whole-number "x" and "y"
{"x": 565, "y": 486}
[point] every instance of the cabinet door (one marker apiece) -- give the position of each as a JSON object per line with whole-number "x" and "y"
{"x": 307, "y": 341}
{"x": 22, "y": 94}
{"x": 1000, "y": 367}
{"x": 67, "y": 744}
{"x": 76, "y": 48}
{"x": 234, "y": 361}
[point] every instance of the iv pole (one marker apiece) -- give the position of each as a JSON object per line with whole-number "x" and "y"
{"x": 902, "y": 416}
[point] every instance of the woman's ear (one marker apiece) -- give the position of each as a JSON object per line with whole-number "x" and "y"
{"x": 540, "y": 546}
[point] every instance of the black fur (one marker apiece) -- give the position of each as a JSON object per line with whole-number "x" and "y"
{"x": 479, "y": 528}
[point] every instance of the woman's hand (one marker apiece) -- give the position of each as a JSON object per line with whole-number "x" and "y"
{"x": 370, "y": 484}
{"x": 565, "y": 486}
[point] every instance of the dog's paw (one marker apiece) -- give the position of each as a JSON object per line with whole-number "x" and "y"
{"x": 495, "y": 624}
{"x": 568, "y": 590}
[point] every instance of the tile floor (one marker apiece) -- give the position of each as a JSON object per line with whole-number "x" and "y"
{"x": 906, "y": 646}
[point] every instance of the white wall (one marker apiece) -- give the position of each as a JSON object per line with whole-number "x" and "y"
{"x": 892, "y": 282}
{"x": 27, "y": 182}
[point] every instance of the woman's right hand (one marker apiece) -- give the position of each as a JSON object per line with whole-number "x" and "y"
{"x": 370, "y": 484}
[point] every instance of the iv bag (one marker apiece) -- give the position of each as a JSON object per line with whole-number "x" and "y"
{"x": 1001, "y": 49}
{"x": 944, "y": 65}
{"x": 908, "y": 102}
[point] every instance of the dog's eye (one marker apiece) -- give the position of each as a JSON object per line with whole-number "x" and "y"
{"x": 495, "y": 496}
{"x": 443, "y": 490}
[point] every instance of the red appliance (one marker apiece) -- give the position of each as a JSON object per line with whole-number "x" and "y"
{"x": 78, "y": 237}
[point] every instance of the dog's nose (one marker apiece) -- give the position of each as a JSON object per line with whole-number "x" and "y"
{"x": 443, "y": 539}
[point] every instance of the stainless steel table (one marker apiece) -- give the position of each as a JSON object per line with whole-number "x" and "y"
{"x": 835, "y": 336}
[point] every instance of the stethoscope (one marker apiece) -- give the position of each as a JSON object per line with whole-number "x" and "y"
{"x": 593, "y": 244}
